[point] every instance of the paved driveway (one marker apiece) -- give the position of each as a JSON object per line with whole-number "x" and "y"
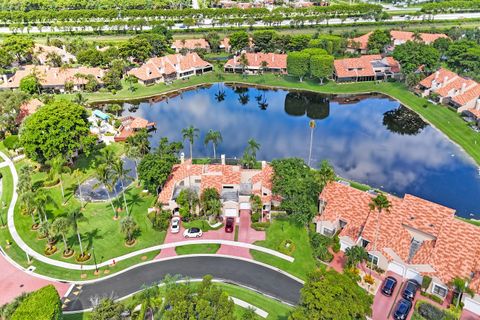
{"x": 383, "y": 304}
{"x": 13, "y": 282}
{"x": 219, "y": 234}
{"x": 242, "y": 272}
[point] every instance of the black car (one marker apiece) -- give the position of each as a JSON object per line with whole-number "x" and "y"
{"x": 410, "y": 290}
{"x": 402, "y": 310}
{"x": 388, "y": 286}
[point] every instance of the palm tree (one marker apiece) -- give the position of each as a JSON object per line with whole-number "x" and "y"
{"x": 27, "y": 199}
{"x": 128, "y": 227}
{"x": 25, "y": 179}
{"x": 220, "y": 95}
{"x": 140, "y": 140}
{"x": 243, "y": 61}
{"x": 379, "y": 203}
{"x": 460, "y": 285}
{"x": 76, "y": 174}
{"x": 215, "y": 137}
{"x": 80, "y": 99}
{"x": 263, "y": 66}
{"x": 107, "y": 156}
{"x": 312, "y": 126}
{"x": 243, "y": 98}
{"x": 122, "y": 174}
{"x": 74, "y": 216}
{"x": 57, "y": 167}
{"x": 42, "y": 198}
{"x": 104, "y": 175}
{"x": 355, "y": 255}
{"x": 326, "y": 173}
{"x": 133, "y": 152}
{"x": 61, "y": 226}
{"x": 253, "y": 147}
{"x": 190, "y": 134}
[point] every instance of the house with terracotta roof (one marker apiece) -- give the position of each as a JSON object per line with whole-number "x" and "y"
{"x": 54, "y": 79}
{"x": 41, "y": 53}
{"x": 225, "y": 45}
{"x": 415, "y": 238}
{"x": 27, "y": 108}
{"x": 170, "y": 67}
{"x": 190, "y": 45}
{"x": 449, "y": 88}
{"x": 366, "y": 68}
{"x": 359, "y": 44}
{"x": 257, "y": 63}
{"x": 234, "y": 184}
{"x": 130, "y": 125}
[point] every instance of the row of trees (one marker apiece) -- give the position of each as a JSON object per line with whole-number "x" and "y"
{"x": 312, "y": 62}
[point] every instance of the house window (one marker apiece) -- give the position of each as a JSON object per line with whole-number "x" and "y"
{"x": 227, "y": 187}
{"x": 328, "y": 232}
{"x": 439, "y": 290}
{"x": 373, "y": 258}
{"x": 365, "y": 243}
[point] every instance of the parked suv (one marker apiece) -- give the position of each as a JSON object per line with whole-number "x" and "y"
{"x": 402, "y": 310}
{"x": 389, "y": 286}
{"x": 229, "y": 224}
{"x": 410, "y": 290}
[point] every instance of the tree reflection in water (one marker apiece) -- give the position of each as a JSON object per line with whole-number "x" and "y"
{"x": 403, "y": 121}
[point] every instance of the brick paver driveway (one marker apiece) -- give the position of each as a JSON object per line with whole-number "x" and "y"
{"x": 383, "y": 304}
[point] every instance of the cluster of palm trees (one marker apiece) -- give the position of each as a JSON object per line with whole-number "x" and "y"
{"x": 243, "y": 97}
{"x": 212, "y": 136}
{"x": 249, "y": 158}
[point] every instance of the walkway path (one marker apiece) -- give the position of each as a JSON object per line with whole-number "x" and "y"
{"x": 39, "y": 257}
{"x": 265, "y": 279}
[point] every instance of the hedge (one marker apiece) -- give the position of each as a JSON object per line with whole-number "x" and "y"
{"x": 43, "y": 304}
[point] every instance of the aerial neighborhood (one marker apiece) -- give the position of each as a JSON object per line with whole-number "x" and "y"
{"x": 254, "y": 159}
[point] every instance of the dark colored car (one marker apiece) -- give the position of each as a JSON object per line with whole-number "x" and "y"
{"x": 410, "y": 290}
{"x": 388, "y": 286}
{"x": 402, "y": 310}
{"x": 229, "y": 225}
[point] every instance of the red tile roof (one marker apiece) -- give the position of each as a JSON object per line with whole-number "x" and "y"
{"x": 274, "y": 60}
{"x": 362, "y": 66}
{"x": 439, "y": 76}
{"x": 451, "y": 247}
{"x": 27, "y": 108}
{"x": 362, "y": 41}
{"x": 472, "y": 93}
{"x": 409, "y": 36}
{"x": 158, "y": 67}
{"x": 191, "y": 44}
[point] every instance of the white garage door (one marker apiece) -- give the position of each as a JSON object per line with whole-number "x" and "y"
{"x": 245, "y": 206}
{"x": 396, "y": 267}
{"x": 344, "y": 246}
{"x": 412, "y": 274}
{"x": 231, "y": 212}
{"x": 472, "y": 305}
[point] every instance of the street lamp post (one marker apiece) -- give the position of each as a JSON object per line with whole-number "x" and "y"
{"x": 94, "y": 259}
{"x": 312, "y": 126}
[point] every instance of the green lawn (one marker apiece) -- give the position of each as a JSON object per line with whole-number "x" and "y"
{"x": 446, "y": 120}
{"x": 279, "y": 231}
{"x": 197, "y": 249}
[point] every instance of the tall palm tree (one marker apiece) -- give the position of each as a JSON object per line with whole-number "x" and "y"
{"x": 77, "y": 174}
{"x": 460, "y": 285}
{"x": 190, "y": 134}
{"x": 57, "y": 167}
{"x": 326, "y": 173}
{"x": 133, "y": 152}
{"x": 122, "y": 173}
{"x": 25, "y": 179}
{"x": 107, "y": 156}
{"x": 215, "y": 137}
{"x": 380, "y": 203}
{"x": 141, "y": 140}
{"x": 27, "y": 199}
{"x": 75, "y": 215}
{"x": 42, "y": 198}
{"x": 61, "y": 226}
{"x": 104, "y": 175}
{"x": 253, "y": 146}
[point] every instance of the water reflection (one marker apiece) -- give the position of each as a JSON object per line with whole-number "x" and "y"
{"x": 371, "y": 139}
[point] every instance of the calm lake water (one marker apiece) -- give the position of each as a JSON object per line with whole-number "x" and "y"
{"x": 371, "y": 139}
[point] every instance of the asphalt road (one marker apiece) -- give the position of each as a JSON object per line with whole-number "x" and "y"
{"x": 241, "y": 272}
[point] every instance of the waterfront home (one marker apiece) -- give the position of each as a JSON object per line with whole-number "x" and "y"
{"x": 234, "y": 184}
{"x": 359, "y": 44}
{"x": 170, "y": 67}
{"x": 447, "y": 87}
{"x": 415, "y": 237}
{"x": 27, "y": 108}
{"x": 257, "y": 63}
{"x": 225, "y": 45}
{"x": 42, "y": 54}
{"x": 55, "y": 79}
{"x": 366, "y": 68}
{"x": 130, "y": 125}
{"x": 190, "y": 45}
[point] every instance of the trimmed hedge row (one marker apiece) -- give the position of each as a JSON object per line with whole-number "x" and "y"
{"x": 43, "y": 304}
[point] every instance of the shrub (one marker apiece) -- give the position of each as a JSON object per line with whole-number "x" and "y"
{"x": 287, "y": 247}
{"x": 11, "y": 142}
{"x": 369, "y": 279}
{"x": 336, "y": 244}
{"x": 255, "y": 217}
{"x": 426, "y": 282}
{"x": 260, "y": 226}
{"x": 352, "y": 273}
{"x": 160, "y": 220}
{"x": 43, "y": 304}
{"x": 431, "y": 312}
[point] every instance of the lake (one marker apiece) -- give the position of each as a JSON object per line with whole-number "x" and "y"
{"x": 371, "y": 139}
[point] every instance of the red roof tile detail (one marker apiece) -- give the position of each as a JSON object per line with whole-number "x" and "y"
{"x": 409, "y": 36}
{"x": 360, "y": 42}
{"x": 274, "y": 60}
{"x": 191, "y": 44}
{"x": 27, "y": 108}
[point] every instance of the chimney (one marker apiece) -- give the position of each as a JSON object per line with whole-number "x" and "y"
{"x": 4, "y": 77}
{"x": 273, "y": 57}
{"x": 149, "y": 72}
{"x": 445, "y": 80}
{"x": 182, "y": 157}
{"x": 437, "y": 73}
{"x": 223, "y": 159}
{"x": 264, "y": 164}
{"x": 464, "y": 88}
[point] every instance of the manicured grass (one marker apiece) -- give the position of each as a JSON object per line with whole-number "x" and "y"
{"x": 279, "y": 231}
{"x": 197, "y": 249}
{"x": 474, "y": 222}
{"x": 446, "y": 120}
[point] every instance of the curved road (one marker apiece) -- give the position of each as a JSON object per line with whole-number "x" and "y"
{"x": 250, "y": 274}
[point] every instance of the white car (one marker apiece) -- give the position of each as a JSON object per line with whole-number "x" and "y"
{"x": 192, "y": 233}
{"x": 175, "y": 225}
